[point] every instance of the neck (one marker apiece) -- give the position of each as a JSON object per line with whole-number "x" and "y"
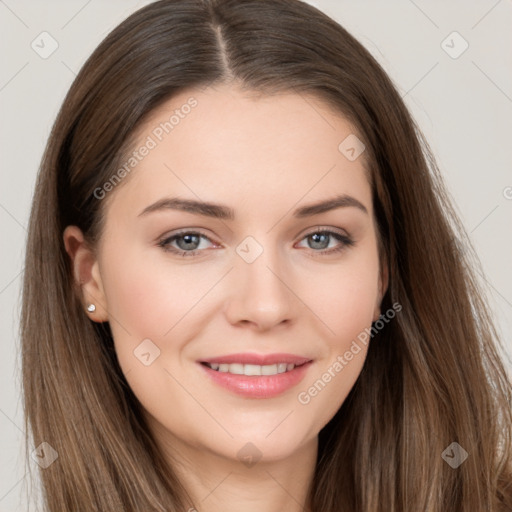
{"x": 218, "y": 484}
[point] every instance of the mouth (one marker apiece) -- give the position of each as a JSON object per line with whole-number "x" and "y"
{"x": 252, "y": 369}
{"x": 256, "y": 376}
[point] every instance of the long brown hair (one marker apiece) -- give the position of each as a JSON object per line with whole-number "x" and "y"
{"x": 433, "y": 376}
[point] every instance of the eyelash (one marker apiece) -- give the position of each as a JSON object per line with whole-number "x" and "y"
{"x": 346, "y": 241}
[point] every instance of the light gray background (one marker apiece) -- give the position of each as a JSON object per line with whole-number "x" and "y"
{"x": 463, "y": 105}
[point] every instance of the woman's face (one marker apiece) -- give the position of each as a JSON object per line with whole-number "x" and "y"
{"x": 259, "y": 282}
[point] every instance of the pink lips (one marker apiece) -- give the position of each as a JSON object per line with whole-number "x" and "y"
{"x": 256, "y": 386}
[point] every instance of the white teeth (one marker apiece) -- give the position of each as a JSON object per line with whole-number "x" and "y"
{"x": 252, "y": 369}
{"x": 269, "y": 369}
{"x": 236, "y": 368}
{"x": 281, "y": 367}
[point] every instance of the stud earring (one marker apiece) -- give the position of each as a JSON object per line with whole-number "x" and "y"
{"x": 91, "y": 308}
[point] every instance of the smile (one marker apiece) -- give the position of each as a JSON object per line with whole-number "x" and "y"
{"x": 254, "y": 375}
{"x": 251, "y": 369}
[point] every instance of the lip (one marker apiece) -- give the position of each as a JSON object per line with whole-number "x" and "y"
{"x": 260, "y": 359}
{"x": 256, "y": 386}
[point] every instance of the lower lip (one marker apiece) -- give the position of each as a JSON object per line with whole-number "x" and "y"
{"x": 254, "y": 386}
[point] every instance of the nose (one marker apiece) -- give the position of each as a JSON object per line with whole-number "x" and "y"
{"x": 259, "y": 294}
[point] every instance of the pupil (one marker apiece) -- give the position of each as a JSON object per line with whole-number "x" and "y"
{"x": 316, "y": 237}
{"x": 189, "y": 239}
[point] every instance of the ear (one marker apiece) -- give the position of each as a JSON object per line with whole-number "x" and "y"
{"x": 86, "y": 273}
{"x": 383, "y": 286}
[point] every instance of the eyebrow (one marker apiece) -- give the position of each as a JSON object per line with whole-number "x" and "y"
{"x": 219, "y": 211}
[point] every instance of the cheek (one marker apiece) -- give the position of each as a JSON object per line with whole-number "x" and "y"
{"x": 346, "y": 307}
{"x": 321, "y": 396}
{"x": 147, "y": 295}
{"x": 149, "y": 310}
{"x": 147, "y": 302}
{"x": 346, "y": 296}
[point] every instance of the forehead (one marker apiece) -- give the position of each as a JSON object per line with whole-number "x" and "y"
{"x": 228, "y": 145}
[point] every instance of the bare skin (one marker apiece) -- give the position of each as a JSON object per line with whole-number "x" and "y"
{"x": 263, "y": 157}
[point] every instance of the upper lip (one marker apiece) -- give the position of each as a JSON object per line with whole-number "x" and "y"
{"x": 258, "y": 359}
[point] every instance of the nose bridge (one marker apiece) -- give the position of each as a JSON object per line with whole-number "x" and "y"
{"x": 260, "y": 294}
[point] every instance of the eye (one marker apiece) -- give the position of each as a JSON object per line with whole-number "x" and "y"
{"x": 188, "y": 242}
{"x": 320, "y": 241}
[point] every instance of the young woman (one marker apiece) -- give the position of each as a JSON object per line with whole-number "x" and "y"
{"x": 244, "y": 284}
